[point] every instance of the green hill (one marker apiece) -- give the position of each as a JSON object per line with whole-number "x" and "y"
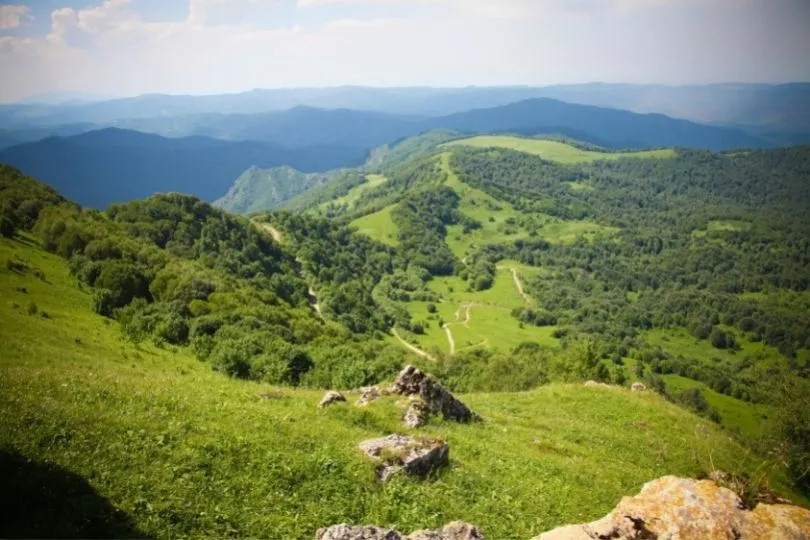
{"x": 182, "y": 450}
{"x": 553, "y": 150}
{"x": 259, "y": 190}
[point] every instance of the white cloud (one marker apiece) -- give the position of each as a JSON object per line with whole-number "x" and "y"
{"x": 220, "y": 46}
{"x": 12, "y": 16}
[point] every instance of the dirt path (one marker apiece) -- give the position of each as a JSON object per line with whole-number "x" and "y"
{"x": 275, "y": 234}
{"x": 450, "y": 339}
{"x": 519, "y": 286}
{"x": 313, "y": 299}
{"x": 413, "y": 348}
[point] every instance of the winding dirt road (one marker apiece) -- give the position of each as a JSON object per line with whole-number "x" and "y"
{"x": 450, "y": 339}
{"x": 413, "y": 348}
{"x": 519, "y": 285}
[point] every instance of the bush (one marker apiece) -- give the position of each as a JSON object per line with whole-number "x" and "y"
{"x": 7, "y": 227}
{"x": 103, "y": 302}
{"x": 32, "y": 308}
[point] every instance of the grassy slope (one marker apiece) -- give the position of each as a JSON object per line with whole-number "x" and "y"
{"x": 188, "y": 452}
{"x": 372, "y": 181}
{"x": 553, "y": 150}
{"x": 379, "y": 226}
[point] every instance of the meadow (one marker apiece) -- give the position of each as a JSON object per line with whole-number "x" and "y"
{"x": 553, "y": 150}
{"x": 167, "y": 447}
{"x": 379, "y": 226}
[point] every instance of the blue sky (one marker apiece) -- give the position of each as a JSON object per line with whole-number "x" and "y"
{"x": 130, "y": 47}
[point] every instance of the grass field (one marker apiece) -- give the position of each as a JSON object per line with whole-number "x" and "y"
{"x": 728, "y": 225}
{"x": 490, "y": 325}
{"x": 160, "y": 445}
{"x": 680, "y": 342}
{"x": 349, "y": 200}
{"x": 379, "y": 226}
{"x": 553, "y": 150}
{"x": 493, "y": 213}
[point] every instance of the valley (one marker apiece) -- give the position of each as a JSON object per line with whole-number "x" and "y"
{"x": 512, "y": 269}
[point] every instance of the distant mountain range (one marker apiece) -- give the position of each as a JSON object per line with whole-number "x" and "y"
{"x": 209, "y": 151}
{"x": 779, "y": 109}
{"x": 114, "y": 165}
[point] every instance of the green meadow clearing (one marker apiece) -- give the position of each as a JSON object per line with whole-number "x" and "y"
{"x": 379, "y": 226}
{"x": 351, "y": 198}
{"x": 162, "y": 446}
{"x": 553, "y": 150}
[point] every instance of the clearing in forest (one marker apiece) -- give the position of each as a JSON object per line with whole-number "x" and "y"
{"x": 554, "y": 150}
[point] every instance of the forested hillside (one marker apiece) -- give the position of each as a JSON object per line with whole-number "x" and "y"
{"x": 687, "y": 269}
{"x": 524, "y": 266}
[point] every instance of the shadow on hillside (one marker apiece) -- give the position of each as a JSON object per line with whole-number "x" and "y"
{"x": 40, "y": 500}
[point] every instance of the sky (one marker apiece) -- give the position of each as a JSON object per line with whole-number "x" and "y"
{"x": 132, "y": 47}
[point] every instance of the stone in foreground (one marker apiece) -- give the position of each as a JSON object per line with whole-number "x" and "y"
{"x": 638, "y": 387}
{"x": 418, "y": 457}
{"x": 412, "y": 382}
{"x": 454, "y": 531}
{"x": 673, "y": 507}
{"x": 330, "y": 398}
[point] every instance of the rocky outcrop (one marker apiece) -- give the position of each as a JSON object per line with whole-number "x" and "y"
{"x": 330, "y": 398}
{"x": 415, "y": 456}
{"x": 417, "y": 414}
{"x": 454, "y": 531}
{"x": 673, "y": 507}
{"x": 638, "y": 387}
{"x": 412, "y": 382}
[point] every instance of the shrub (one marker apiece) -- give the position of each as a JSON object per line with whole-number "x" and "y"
{"x": 32, "y": 308}
{"x": 6, "y": 227}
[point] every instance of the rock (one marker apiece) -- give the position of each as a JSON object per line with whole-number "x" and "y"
{"x": 673, "y": 507}
{"x": 330, "y": 398}
{"x": 417, "y": 414}
{"x": 369, "y": 394}
{"x": 638, "y": 387}
{"x": 411, "y": 382}
{"x": 346, "y": 532}
{"x": 594, "y": 384}
{"x": 454, "y": 531}
{"x": 418, "y": 457}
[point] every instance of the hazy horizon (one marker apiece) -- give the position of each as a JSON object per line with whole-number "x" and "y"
{"x": 125, "y": 48}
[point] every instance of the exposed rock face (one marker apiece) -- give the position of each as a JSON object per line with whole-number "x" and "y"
{"x": 638, "y": 387}
{"x": 417, "y": 414}
{"x": 454, "y": 531}
{"x": 396, "y": 453}
{"x": 675, "y": 508}
{"x": 411, "y": 382}
{"x": 330, "y": 398}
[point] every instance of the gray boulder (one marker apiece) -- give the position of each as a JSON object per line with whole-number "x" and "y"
{"x": 638, "y": 387}
{"x": 412, "y": 382}
{"x": 395, "y": 453}
{"x": 330, "y": 398}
